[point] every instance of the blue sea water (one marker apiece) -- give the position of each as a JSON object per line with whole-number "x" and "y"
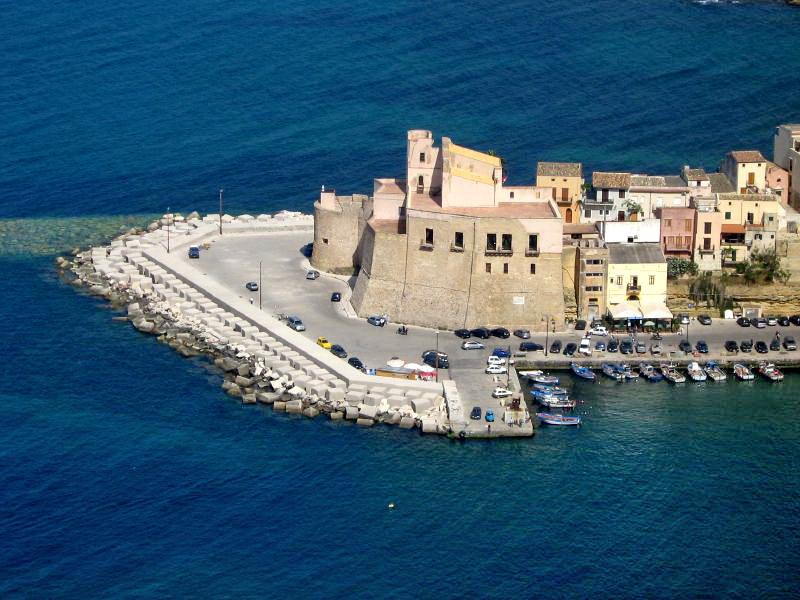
{"x": 124, "y": 471}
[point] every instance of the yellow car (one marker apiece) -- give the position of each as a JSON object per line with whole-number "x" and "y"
{"x": 323, "y": 341}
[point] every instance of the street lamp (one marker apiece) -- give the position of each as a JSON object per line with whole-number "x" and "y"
{"x": 437, "y": 356}
{"x": 259, "y": 284}
{"x": 168, "y": 220}
{"x": 546, "y": 334}
{"x": 220, "y": 210}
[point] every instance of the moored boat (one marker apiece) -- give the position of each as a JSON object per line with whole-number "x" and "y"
{"x": 650, "y": 373}
{"x": 539, "y": 377}
{"x": 627, "y": 372}
{"x": 556, "y": 402}
{"x": 715, "y": 372}
{"x": 770, "y": 371}
{"x": 553, "y": 390}
{"x": 672, "y": 374}
{"x": 742, "y": 372}
{"x": 545, "y": 394}
{"x": 696, "y": 372}
{"x": 582, "y": 372}
{"x": 557, "y": 419}
{"x": 612, "y": 372}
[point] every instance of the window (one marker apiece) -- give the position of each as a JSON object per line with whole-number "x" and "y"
{"x": 594, "y": 261}
{"x": 605, "y": 195}
{"x": 533, "y": 242}
{"x": 587, "y": 213}
{"x": 687, "y": 241}
{"x": 594, "y": 274}
{"x": 750, "y": 218}
{"x": 429, "y": 236}
{"x": 707, "y": 228}
{"x": 758, "y": 236}
{"x": 687, "y": 224}
{"x": 594, "y": 288}
{"x": 565, "y": 194}
{"x": 422, "y": 157}
{"x": 652, "y": 279}
{"x": 511, "y": 194}
{"x": 458, "y": 242}
{"x": 706, "y": 243}
{"x": 324, "y": 240}
{"x": 667, "y": 222}
{"x": 630, "y": 239}
{"x": 769, "y": 219}
{"x": 727, "y": 216}
{"x": 622, "y": 193}
{"x": 506, "y": 242}
{"x": 491, "y": 241}
{"x": 505, "y": 268}
{"x": 488, "y": 267}
{"x": 421, "y": 181}
{"x": 533, "y": 269}
{"x": 619, "y": 280}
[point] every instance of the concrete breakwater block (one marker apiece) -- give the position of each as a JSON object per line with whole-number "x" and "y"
{"x": 311, "y": 412}
{"x": 279, "y": 405}
{"x": 365, "y": 422}
{"x": 407, "y": 423}
{"x": 267, "y": 397}
{"x": 336, "y": 415}
{"x": 244, "y": 370}
{"x": 294, "y": 406}
{"x": 334, "y": 395}
{"x": 420, "y": 405}
{"x": 354, "y": 398}
{"x": 393, "y": 418}
{"x": 396, "y": 401}
{"x": 249, "y": 399}
{"x": 234, "y": 390}
{"x": 351, "y": 413}
{"x": 429, "y": 425}
{"x": 243, "y": 381}
{"x": 366, "y": 411}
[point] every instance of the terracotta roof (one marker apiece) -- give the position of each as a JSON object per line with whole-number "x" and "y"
{"x": 611, "y": 180}
{"x": 559, "y": 169}
{"x": 720, "y": 184}
{"x": 647, "y": 181}
{"x": 732, "y": 228}
{"x": 747, "y": 156}
{"x": 695, "y": 175}
{"x": 570, "y": 228}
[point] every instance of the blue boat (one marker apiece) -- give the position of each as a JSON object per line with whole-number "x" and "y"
{"x": 650, "y": 373}
{"x": 557, "y": 419}
{"x": 582, "y": 372}
{"x": 612, "y": 372}
{"x": 545, "y": 395}
{"x": 550, "y": 389}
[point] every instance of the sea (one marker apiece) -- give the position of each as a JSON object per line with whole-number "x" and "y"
{"x": 126, "y": 472}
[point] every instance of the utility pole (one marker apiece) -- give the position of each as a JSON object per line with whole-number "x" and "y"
{"x": 546, "y": 335}
{"x": 220, "y": 210}
{"x": 437, "y": 356}
{"x": 259, "y": 284}
{"x": 168, "y": 220}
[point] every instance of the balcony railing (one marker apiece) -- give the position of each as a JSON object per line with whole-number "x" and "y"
{"x": 498, "y": 252}
{"x": 531, "y": 252}
{"x": 707, "y": 250}
{"x": 633, "y": 287}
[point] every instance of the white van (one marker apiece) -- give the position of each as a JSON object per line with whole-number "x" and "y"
{"x": 585, "y": 347}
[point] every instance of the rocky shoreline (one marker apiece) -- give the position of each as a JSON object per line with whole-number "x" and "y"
{"x": 247, "y": 374}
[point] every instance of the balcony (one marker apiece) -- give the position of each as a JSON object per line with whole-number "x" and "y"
{"x": 498, "y": 252}
{"x": 703, "y": 251}
{"x": 633, "y": 287}
{"x": 531, "y": 252}
{"x": 454, "y": 248}
{"x": 426, "y": 247}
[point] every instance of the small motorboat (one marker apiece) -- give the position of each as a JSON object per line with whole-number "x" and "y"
{"x": 672, "y": 374}
{"x": 612, "y": 372}
{"x": 696, "y": 372}
{"x": 556, "y": 419}
{"x": 552, "y": 390}
{"x": 743, "y": 373}
{"x": 650, "y": 373}
{"x": 582, "y": 372}
{"x": 557, "y": 402}
{"x": 540, "y": 377}
{"x": 714, "y": 371}
{"x": 770, "y": 371}
{"x": 627, "y": 372}
{"x": 544, "y": 394}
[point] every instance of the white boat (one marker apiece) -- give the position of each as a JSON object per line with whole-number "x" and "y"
{"x": 556, "y": 402}
{"x": 770, "y": 371}
{"x": 742, "y": 373}
{"x": 696, "y": 372}
{"x": 715, "y": 372}
{"x": 672, "y": 374}
{"x": 539, "y": 377}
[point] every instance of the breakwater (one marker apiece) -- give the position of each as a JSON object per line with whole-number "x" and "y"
{"x": 261, "y": 360}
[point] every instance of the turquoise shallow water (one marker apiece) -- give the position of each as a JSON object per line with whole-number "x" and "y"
{"x": 124, "y": 471}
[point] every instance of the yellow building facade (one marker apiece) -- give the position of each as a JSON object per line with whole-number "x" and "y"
{"x": 566, "y": 183}
{"x": 636, "y": 273}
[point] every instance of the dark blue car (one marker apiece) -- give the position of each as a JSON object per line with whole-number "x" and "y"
{"x": 501, "y": 353}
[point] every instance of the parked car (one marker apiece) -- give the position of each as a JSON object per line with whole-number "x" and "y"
{"x": 427, "y": 353}
{"x": 746, "y": 346}
{"x": 481, "y": 332}
{"x": 743, "y": 322}
{"x": 704, "y": 320}
{"x": 337, "y": 350}
{"x": 613, "y": 345}
{"x": 523, "y": 334}
{"x": 569, "y": 349}
{"x": 626, "y": 347}
{"x": 295, "y": 323}
{"x": 600, "y": 346}
{"x": 585, "y": 347}
{"x": 530, "y": 346}
{"x": 555, "y": 347}
{"x": 471, "y": 345}
{"x": 323, "y": 341}
{"x": 655, "y": 349}
{"x": 356, "y": 363}
{"x": 489, "y": 415}
{"x": 789, "y": 343}
{"x": 496, "y": 369}
{"x": 599, "y": 330}
{"x": 641, "y": 348}
{"x": 312, "y": 275}
{"x": 501, "y": 352}
{"x": 378, "y": 321}
{"x": 761, "y": 347}
{"x": 731, "y": 346}
{"x": 794, "y": 319}
{"x": 495, "y": 360}
{"x": 501, "y": 392}
{"x": 252, "y": 286}
{"x": 683, "y": 318}
{"x": 760, "y": 323}
{"x": 475, "y": 414}
{"x": 784, "y": 321}
{"x": 501, "y": 332}
{"x": 463, "y": 333}
{"x": 701, "y": 346}
{"x": 194, "y": 252}
{"x": 775, "y": 345}
{"x": 685, "y": 346}
{"x": 436, "y": 362}
{"x": 336, "y": 297}
{"x": 580, "y": 325}
{"x": 772, "y": 321}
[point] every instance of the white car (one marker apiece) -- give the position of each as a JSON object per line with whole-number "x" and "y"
{"x": 655, "y": 349}
{"x": 585, "y": 347}
{"x": 495, "y": 360}
{"x": 598, "y": 330}
{"x": 501, "y": 392}
{"x": 496, "y": 370}
{"x": 472, "y": 345}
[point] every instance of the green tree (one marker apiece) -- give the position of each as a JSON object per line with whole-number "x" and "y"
{"x": 677, "y": 267}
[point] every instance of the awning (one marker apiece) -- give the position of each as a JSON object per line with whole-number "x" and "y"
{"x": 732, "y": 228}
{"x": 656, "y": 310}
{"x": 625, "y": 310}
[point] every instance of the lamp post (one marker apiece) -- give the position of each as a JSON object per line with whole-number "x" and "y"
{"x": 168, "y": 220}
{"x": 437, "y": 356}
{"x": 546, "y": 335}
{"x": 259, "y": 284}
{"x": 220, "y": 210}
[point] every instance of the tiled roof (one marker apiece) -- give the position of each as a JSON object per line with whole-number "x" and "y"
{"x": 647, "y": 181}
{"x": 747, "y": 156}
{"x": 720, "y": 184}
{"x": 695, "y": 175}
{"x": 611, "y": 180}
{"x": 559, "y": 169}
{"x": 674, "y": 181}
{"x": 637, "y": 253}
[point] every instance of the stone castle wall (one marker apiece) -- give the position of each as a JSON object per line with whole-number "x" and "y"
{"x": 337, "y": 234}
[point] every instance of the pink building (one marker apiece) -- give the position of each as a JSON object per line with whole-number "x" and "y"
{"x": 778, "y": 181}
{"x": 677, "y": 231}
